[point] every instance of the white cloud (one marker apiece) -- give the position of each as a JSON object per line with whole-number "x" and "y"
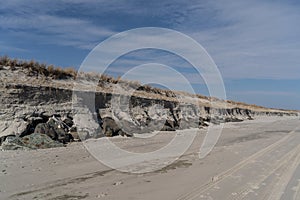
{"x": 38, "y": 21}
{"x": 247, "y": 39}
{"x": 66, "y": 31}
{"x": 6, "y": 47}
{"x": 260, "y": 39}
{"x": 266, "y": 93}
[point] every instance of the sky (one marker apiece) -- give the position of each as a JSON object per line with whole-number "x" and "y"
{"x": 255, "y": 44}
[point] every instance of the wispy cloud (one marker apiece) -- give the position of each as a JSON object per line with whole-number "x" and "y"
{"x": 266, "y": 93}
{"x": 253, "y": 39}
{"x": 243, "y": 37}
{"x": 6, "y": 47}
{"x": 38, "y": 21}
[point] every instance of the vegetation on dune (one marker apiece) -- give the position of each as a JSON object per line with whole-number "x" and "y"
{"x": 33, "y": 68}
{"x": 36, "y": 68}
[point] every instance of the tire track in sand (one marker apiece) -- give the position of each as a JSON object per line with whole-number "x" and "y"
{"x": 197, "y": 191}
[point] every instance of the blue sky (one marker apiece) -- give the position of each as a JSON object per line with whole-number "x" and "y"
{"x": 255, "y": 44}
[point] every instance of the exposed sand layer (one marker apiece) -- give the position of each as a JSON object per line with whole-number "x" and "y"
{"x": 255, "y": 159}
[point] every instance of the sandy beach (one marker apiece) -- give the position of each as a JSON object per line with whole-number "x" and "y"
{"x": 255, "y": 159}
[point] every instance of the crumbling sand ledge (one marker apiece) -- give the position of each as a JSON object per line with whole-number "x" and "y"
{"x": 32, "y": 102}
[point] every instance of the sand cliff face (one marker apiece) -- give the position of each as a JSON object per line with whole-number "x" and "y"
{"x": 28, "y": 100}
